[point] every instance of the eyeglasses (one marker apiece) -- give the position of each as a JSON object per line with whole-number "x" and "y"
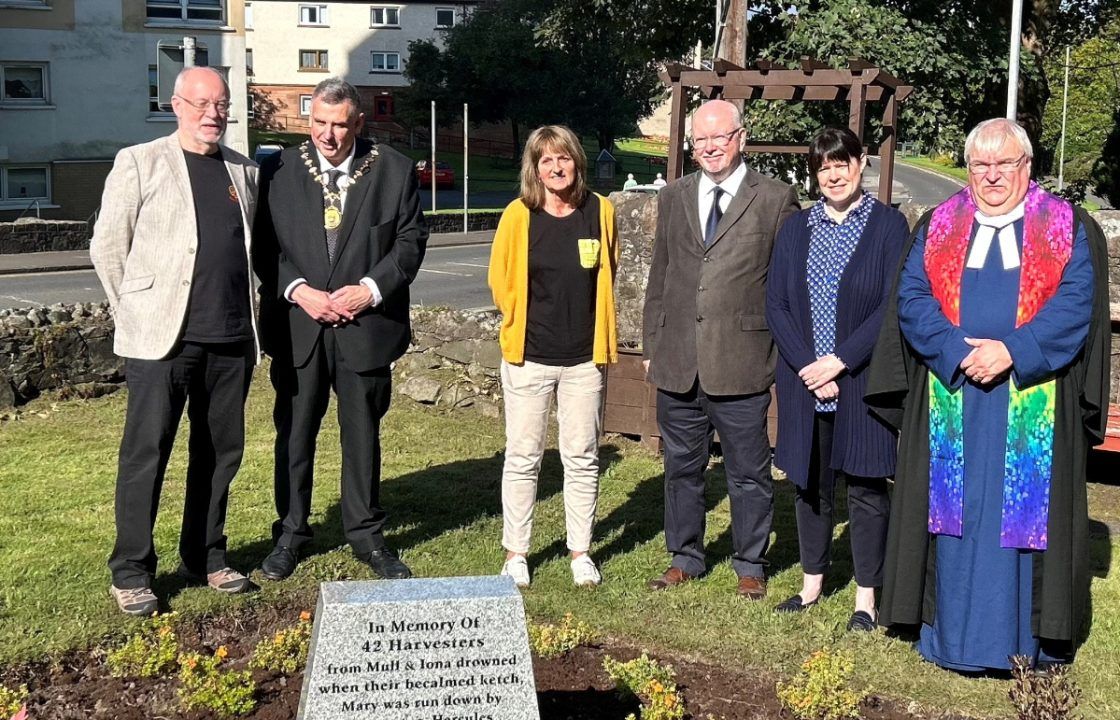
{"x": 717, "y": 140}
{"x": 1003, "y": 167}
{"x": 222, "y": 106}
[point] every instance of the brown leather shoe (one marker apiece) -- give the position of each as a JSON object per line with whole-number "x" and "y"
{"x": 671, "y": 577}
{"x": 752, "y": 588}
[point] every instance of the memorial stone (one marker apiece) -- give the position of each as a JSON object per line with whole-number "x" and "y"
{"x": 420, "y": 649}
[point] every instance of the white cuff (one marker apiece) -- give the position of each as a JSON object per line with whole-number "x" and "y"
{"x": 372, "y": 287}
{"x": 291, "y": 288}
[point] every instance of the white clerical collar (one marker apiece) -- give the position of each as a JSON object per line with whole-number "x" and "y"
{"x": 730, "y": 184}
{"x": 990, "y": 226}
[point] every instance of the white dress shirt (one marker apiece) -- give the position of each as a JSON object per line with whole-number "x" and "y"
{"x": 344, "y": 182}
{"x": 730, "y": 186}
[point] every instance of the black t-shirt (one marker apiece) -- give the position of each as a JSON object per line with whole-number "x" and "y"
{"x": 219, "y": 304}
{"x": 560, "y": 324}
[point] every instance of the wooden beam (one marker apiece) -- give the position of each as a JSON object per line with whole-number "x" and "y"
{"x": 857, "y": 104}
{"x": 778, "y": 92}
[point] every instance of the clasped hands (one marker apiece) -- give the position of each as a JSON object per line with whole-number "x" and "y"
{"x": 820, "y": 376}
{"x": 987, "y": 362}
{"x": 335, "y": 308}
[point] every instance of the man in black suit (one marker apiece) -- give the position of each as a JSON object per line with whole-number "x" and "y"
{"x": 341, "y": 237}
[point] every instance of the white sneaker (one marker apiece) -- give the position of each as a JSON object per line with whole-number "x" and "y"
{"x": 584, "y": 572}
{"x": 517, "y": 568}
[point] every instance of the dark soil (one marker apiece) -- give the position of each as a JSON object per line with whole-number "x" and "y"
{"x": 571, "y": 687}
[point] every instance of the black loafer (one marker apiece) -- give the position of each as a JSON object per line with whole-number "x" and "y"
{"x": 861, "y": 621}
{"x": 385, "y": 564}
{"x": 280, "y": 563}
{"x": 794, "y": 605}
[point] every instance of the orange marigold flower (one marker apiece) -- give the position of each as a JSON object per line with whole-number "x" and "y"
{"x": 221, "y": 652}
{"x": 305, "y": 616}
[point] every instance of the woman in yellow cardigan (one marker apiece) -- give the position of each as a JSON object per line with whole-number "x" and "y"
{"x": 552, "y": 271}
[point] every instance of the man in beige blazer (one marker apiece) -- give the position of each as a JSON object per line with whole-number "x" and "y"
{"x": 171, "y": 247}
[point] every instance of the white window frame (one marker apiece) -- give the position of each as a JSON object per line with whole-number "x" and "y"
{"x": 385, "y": 55}
{"x": 305, "y": 106}
{"x": 320, "y": 11}
{"x": 25, "y": 103}
{"x": 321, "y": 53}
{"x": 454, "y": 18}
{"x": 12, "y": 203}
{"x": 186, "y": 7}
{"x": 248, "y": 62}
{"x": 385, "y": 10}
{"x": 248, "y": 16}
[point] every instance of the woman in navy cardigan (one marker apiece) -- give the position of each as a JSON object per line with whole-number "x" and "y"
{"x": 830, "y": 275}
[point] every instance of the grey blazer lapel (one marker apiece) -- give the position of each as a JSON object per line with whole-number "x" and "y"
{"x": 689, "y": 186}
{"x": 738, "y": 205}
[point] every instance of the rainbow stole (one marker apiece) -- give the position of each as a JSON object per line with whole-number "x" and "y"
{"x": 1047, "y": 246}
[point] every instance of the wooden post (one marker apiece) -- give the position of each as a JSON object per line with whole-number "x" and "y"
{"x": 886, "y": 149}
{"x": 857, "y": 104}
{"x": 676, "y": 127}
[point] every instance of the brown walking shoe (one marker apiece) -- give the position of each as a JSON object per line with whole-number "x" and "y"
{"x": 135, "y": 601}
{"x": 226, "y": 580}
{"x": 670, "y": 578}
{"x": 752, "y": 588}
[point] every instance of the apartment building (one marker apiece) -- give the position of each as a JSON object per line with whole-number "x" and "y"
{"x": 81, "y": 79}
{"x": 291, "y": 46}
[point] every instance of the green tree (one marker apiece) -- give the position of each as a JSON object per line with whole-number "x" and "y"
{"x": 590, "y": 64}
{"x": 1094, "y": 95}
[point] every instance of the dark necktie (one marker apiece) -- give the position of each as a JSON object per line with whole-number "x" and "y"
{"x": 332, "y": 211}
{"x": 713, "y": 217}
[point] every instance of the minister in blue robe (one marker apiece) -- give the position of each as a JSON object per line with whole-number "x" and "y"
{"x": 999, "y": 385}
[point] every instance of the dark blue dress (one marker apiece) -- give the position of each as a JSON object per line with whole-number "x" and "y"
{"x": 983, "y": 613}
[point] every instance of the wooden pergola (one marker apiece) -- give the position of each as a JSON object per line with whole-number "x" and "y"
{"x": 859, "y": 83}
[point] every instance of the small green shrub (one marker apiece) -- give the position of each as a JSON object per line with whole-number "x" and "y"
{"x": 1048, "y": 695}
{"x": 206, "y": 686}
{"x": 820, "y": 689}
{"x": 652, "y": 683}
{"x": 148, "y": 653}
{"x": 550, "y": 641}
{"x": 12, "y": 701}
{"x": 287, "y": 651}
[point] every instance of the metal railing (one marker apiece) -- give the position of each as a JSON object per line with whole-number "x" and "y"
{"x": 33, "y": 204}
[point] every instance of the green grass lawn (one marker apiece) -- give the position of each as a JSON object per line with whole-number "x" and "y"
{"x": 441, "y": 487}
{"x": 957, "y": 173}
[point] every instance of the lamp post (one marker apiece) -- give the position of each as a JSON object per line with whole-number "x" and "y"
{"x": 1013, "y": 61}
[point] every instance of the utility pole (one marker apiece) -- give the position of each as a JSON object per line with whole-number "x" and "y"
{"x": 1013, "y": 60}
{"x": 1065, "y": 108}
{"x": 732, "y": 35}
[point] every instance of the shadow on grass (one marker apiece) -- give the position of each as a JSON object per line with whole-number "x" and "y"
{"x": 425, "y": 504}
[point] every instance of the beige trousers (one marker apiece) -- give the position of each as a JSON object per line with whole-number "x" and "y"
{"x": 528, "y": 390}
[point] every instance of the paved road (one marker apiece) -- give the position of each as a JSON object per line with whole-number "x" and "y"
{"x": 454, "y": 276}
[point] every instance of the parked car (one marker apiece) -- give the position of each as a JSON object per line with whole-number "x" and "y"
{"x": 264, "y": 150}
{"x": 445, "y": 176}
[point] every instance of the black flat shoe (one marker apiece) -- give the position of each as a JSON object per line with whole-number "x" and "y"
{"x": 861, "y": 622}
{"x": 794, "y": 605}
{"x": 385, "y": 563}
{"x": 280, "y": 563}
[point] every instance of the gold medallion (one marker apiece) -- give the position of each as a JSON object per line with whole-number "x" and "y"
{"x": 332, "y": 218}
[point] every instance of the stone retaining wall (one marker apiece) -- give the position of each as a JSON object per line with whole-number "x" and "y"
{"x": 34, "y": 235}
{"x": 454, "y": 359}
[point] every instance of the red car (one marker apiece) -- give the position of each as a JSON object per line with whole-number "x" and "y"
{"x": 445, "y": 176}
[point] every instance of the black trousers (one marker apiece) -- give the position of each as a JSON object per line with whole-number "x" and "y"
{"x": 212, "y": 381}
{"x": 302, "y": 395}
{"x": 686, "y": 421}
{"x": 869, "y": 508}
